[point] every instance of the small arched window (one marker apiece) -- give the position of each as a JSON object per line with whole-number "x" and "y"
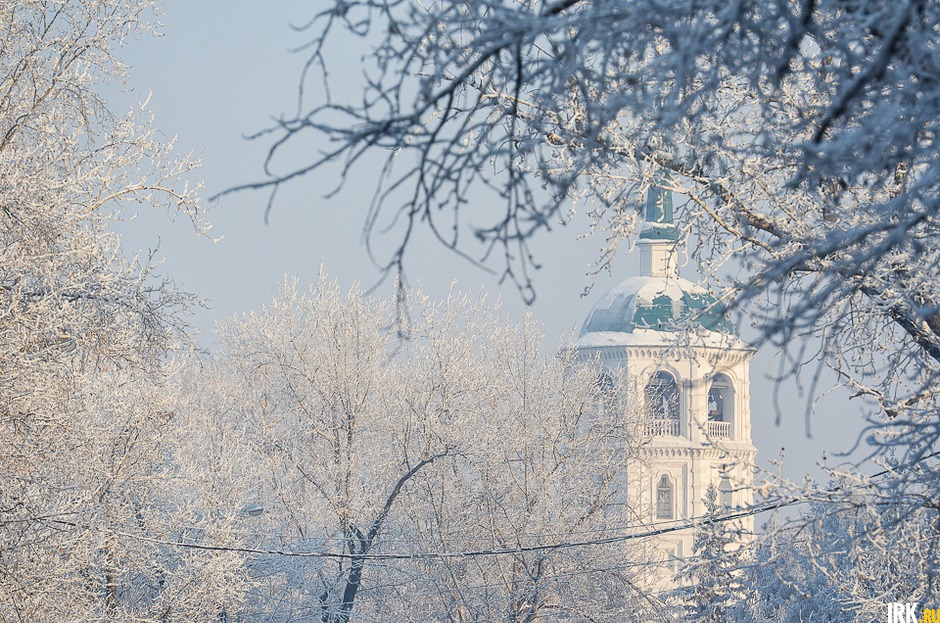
{"x": 726, "y": 492}
{"x": 605, "y": 383}
{"x": 664, "y": 498}
{"x": 605, "y": 390}
{"x": 721, "y": 399}
{"x": 662, "y": 397}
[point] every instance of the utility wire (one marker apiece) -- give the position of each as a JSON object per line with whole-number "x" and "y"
{"x": 494, "y": 551}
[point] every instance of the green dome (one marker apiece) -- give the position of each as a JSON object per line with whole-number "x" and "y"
{"x": 656, "y": 304}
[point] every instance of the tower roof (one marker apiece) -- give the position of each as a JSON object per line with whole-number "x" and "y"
{"x": 657, "y": 304}
{"x": 658, "y": 300}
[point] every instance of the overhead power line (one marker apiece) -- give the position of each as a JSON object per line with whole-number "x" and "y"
{"x": 492, "y": 551}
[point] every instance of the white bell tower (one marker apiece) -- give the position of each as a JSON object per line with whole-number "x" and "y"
{"x": 688, "y": 378}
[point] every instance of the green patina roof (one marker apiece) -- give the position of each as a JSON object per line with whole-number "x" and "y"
{"x": 622, "y": 310}
{"x": 656, "y": 316}
{"x": 704, "y": 307}
{"x": 663, "y": 315}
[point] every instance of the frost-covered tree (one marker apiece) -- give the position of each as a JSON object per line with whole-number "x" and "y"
{"x": 546, "y": 461}
{"x": 422, "y": 471}
{"x": 843, "y": 563}
{"x": 84, "y": 331}
{"x": 776, "y": 118}
{"x": 802, "y": 134}
{"x": 799, "y": 131}
{"x": 713, "y": 577}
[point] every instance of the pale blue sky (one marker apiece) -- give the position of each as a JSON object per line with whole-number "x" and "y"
{"x": 222, "y": 69}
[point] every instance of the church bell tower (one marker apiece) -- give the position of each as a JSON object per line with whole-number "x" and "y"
{"x": 688, "y": 380}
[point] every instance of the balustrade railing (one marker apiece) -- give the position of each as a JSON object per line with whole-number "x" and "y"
{"x": 665, "y": 428}
{"x": 718, "y": 430}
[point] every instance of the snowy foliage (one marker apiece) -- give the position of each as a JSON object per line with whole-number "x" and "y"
{"x": 713, "y": 578}
{"x": 400, "y": 455}
{"x": 802, "y": 134}
{"x": 84, "y": 331}
{"x": 337, "y": 461}
{"x": 839, "y": 563}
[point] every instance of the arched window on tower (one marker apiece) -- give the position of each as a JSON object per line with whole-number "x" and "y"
{"x": 662, "y": 404}
{"x": 605, "y": 382}
{"x": 606, "y": 390}
{"x": 664, "y": 498}
{"x": 720, "y": 407}
{"x": 725, "y": 492}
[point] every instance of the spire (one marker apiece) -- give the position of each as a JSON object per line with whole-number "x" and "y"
{"x": 659, "y": 224}
{"x": 658, "y": 238}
